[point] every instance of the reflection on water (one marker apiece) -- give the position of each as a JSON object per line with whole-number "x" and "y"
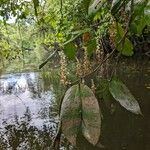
{"x": 25, "y": 112}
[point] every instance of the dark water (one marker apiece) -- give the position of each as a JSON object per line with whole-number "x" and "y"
{"x": 27, "y": 119}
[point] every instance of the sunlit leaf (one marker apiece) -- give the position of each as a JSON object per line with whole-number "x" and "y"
{"x": 122, "y": 94}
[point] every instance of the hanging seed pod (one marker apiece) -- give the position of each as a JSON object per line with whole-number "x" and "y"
{"x": 86, "y": 63}
{"x": 79, "y": 69}
{"x": 99, "y": 51}
{"x": 112, "y": 34}
{"x": 124, "y": 16}
{"x": 63, "y": 69}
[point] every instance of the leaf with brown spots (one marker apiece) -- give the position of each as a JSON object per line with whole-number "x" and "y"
{"x": 80, "y": 112}
{"x": 91, "y": 116}
{"x": 71, "y": 114}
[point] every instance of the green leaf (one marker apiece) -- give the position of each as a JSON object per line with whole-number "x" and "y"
{"x": 86, "y": 4}
{"x": 139, "y": 7}
{"x": 77, "y": 34}
{"x": 91, "y": 116}
{"x": 117, "y": 4}
{"x": 105, "y": 94}
{"x": 141, "y": 16}
{"x": 70, "y": 50}
{"x": 140, "y": 26}
{"x": 125, "y": 47}
{"x": 147, "y": 13}
{"x": 36, "y": 4}
{"x": 120, "y": 30}
{"x": 94, "y": 6}
{"x": 47, "y": 59}
{"x": 71, "y": 114}
{"x": 122, "y": 94}
{"x": 91, "y": 46}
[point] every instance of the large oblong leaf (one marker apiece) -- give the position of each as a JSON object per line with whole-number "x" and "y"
{"x": 122, "y": 94}
{"x": 70, "y": 114}
{"x": 91, "y": 117}
{"x": 80, "y": 112}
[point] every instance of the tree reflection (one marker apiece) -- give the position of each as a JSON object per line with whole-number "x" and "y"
{"x": 22, "y": 135}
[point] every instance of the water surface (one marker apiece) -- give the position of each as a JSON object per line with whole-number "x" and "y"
{"x": 26, "y": 108}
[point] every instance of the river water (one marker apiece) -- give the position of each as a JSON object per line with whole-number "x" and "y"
{"x": 28, "y": 119}
{"x": 25, "y": 108}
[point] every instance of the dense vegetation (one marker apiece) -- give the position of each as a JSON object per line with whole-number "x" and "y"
{"x": 82, "y": 39}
